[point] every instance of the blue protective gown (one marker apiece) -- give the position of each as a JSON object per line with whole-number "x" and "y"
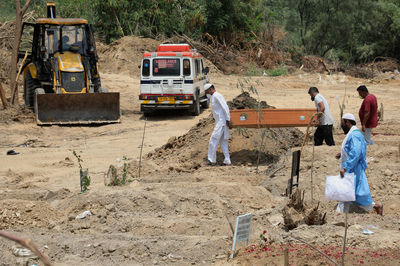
{"x": 356, "y": 149}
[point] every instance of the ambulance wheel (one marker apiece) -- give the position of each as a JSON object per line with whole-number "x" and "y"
{"x": 196, "y": 107}
{"x": 206, "y": 104}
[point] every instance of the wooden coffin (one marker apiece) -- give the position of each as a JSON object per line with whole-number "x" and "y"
{"x": 252, "y": 118}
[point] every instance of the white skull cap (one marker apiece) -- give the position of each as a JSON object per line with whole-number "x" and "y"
{"x": 349, "y": 116}
{"x": 207, "y": 86}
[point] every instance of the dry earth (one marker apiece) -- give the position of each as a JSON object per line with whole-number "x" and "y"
{"x": 179, "y": 216}
{"x": 178, "y": 212}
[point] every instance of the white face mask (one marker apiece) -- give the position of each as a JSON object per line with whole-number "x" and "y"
{"x": 208, "y": 96}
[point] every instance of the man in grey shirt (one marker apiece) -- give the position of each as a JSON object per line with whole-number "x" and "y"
{"x": 325, "y": 126}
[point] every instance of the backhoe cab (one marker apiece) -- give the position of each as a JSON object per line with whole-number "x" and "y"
{"x": 61, "y": 77}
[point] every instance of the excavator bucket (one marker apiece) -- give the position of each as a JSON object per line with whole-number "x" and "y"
{"x": 80, "y": 108}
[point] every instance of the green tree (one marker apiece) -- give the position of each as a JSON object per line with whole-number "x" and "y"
{"x": 230, "y": 19}
{"x": 7, "y": 10}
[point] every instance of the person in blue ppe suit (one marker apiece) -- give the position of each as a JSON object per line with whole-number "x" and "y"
{"x": 353, "y": 159}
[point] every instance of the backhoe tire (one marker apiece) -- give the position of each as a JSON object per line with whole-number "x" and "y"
{"x": 103, "y": 90}
{"x": 196, "y": 106}
{"x": 30, "y": 85}
{"x": 147, "y": 113}
{"x": 39, "y": 91}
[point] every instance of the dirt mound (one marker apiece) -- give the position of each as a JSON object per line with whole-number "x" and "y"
{"x": 125, "y": 55}
{"x": 25, "y": 213}
{"x": 245, "y": 101}
{"x": 187, "y": 152}
{"x": 17, "y": 114}
{"x": 297, "y": 212}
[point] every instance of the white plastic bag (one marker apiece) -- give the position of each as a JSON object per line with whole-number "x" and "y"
{"x": 340, "y": 189}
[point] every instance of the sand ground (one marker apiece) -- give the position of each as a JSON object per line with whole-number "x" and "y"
{"x": 170, "y": 217}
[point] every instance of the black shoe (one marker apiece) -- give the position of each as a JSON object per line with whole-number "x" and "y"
{"x": 12, "y": 152}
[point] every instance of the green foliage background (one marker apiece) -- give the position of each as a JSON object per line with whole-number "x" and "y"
{"x": 350, "y": 31}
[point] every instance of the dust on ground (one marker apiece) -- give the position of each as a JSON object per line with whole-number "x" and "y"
{"x": 184, "y": 215}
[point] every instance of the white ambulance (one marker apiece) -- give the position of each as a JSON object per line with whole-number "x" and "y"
{"x": 173, "y": 78}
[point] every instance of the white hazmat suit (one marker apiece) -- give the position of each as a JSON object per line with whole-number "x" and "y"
{"x": 220, "y": 135}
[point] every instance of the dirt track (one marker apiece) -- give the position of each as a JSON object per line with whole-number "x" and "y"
{"x": 183, "y": 217}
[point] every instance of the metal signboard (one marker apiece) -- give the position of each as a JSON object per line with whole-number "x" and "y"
{"x": 242, "y": 230}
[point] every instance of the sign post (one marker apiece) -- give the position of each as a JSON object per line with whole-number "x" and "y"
{"x": 242, "y": 230}
{"x": 295, "y": 172}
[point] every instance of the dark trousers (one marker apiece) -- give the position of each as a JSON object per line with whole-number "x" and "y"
{"x": 324, "y": 132}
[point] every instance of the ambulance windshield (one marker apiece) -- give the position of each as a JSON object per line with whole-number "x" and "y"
{"x": 166, "y": 67}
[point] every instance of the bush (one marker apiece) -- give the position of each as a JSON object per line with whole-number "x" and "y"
{"x": 254, "y": 70}
{"x": 279, "y": 71}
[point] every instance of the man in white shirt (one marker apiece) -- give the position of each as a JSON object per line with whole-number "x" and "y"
{"x": 220, "y": 135}
{"x": 325, "y": 126}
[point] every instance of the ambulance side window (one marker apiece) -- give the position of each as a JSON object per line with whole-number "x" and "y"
{"x": 146, "y": 68}
{"x": 186, "y": 67}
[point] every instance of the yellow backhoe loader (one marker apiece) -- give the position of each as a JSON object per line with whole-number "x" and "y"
{"x": 61, "y": 76}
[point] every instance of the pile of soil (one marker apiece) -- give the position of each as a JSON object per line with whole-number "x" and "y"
{"x": 245, "y": 101}
{"x": 188, "y": 152}
{"x": 297, "y": 212}
{"x": 21, "y": 114}
{"x": 124, "y": 55}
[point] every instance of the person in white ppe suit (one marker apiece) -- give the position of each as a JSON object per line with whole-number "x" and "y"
{"x": 220, "y": 135}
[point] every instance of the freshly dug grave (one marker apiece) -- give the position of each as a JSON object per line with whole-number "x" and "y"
{"x": 247, "y": 147}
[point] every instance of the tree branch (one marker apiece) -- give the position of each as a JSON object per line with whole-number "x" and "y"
{"x": 17, "y": 6}
{"x": 25, "y": 7}
{"x": 28, "y": 243}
